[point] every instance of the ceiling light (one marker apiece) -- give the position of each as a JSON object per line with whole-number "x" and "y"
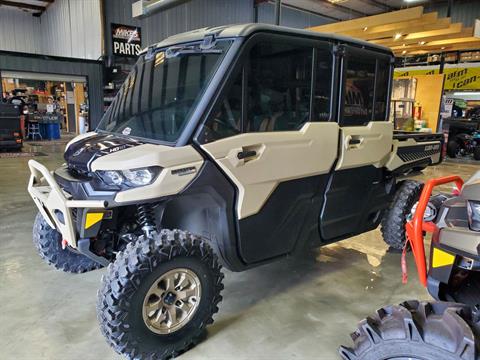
{"x": 442, "y": 48}
{"x": 411, "y": 1}
{"x": 421, "y": 42}
{"x": 404, "y": 52}
{"x": 404, "y": 45}
{"x": 397, "y": 36}
{"x": 337, "y": 1}
{"x": 365, "y": 28}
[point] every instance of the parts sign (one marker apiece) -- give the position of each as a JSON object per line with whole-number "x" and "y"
{"x": 126, "y": 40}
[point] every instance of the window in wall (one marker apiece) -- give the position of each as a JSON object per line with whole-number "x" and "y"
{"x": 359, "y": 88}
{"x": 279, "y": 87}
{"x": 323, "y": 85}
{"x": 226, "y": 118}
{"x": 381, "y": 89}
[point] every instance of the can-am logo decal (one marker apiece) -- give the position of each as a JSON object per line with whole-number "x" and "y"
{"x": 432, "y": 147}
{"x": 126, "y": 40}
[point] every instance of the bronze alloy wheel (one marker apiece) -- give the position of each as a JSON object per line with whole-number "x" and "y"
{"x": 171, "y": 301}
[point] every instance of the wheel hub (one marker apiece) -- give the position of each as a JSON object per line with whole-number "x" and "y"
{"x": 171, "y": 301}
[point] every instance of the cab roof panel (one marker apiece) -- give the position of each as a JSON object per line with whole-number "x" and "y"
{"x": 245, "y": 30}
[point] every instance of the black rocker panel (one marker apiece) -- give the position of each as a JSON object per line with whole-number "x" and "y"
{"x": 354, "y": 202}
{"x": 276, "y": 228}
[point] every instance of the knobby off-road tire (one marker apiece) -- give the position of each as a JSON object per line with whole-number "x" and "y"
{"x": 48, "y": 242}
{"x": 416, "y": 330}
{"x": 140, "y": 268}
{"x": 452, "y": 149}
{"x": 393, "y": 222}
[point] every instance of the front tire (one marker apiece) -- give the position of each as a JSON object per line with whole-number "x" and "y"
{"x": 416, "y": 330}
{"x": 141, "y": 298}
{"x": 48, "y": 242}
{"x": 395, "y": 219}
{"x": 453, "y": 149}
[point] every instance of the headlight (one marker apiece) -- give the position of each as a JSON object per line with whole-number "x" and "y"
{"x": 474, "y": 215}
{"x": 129, "y": 178}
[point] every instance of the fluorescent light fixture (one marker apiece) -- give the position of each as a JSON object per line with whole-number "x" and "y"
{"x": 365, "y": 28}
{"x": 467, "y": 93}
{"x": 412, "y": 1}
{"x": 422, "y": 42}
{"x": 404, "y": 51}
{"x": 397, "y": 36}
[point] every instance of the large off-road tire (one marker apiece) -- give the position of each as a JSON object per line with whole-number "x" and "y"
{"x": 453, "y": 149}
{"x": 141, "y": 297}
{"x": 476, "y": 153}
{"x": 416, "y": 330}
{"x": 48, "y": 242}
{"x": 394, "y": 220}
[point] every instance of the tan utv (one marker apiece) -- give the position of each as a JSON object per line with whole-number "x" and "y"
{"x": 253, "y": 141}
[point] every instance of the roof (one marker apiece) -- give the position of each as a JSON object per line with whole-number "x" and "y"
{"x": 245, "y": 30}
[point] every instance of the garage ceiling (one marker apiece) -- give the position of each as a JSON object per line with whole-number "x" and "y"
{"x": 408, "y": 32}
{"x": 36, "y": 7}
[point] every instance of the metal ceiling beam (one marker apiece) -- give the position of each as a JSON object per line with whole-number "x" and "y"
{"x": 343, "y": 8}
{"x": 293, "y": 7}
{"x": 22, "y": 5}
{"x": 379, "y": 5}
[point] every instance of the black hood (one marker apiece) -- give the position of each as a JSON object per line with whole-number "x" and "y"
{"x": 81, "y": 154}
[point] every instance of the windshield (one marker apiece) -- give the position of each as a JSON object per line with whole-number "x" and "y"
{"x": 162, "y": 90}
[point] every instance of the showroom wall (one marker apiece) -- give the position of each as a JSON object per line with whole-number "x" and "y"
{"x": 68, "y": 28}
{"x": 197, "y": 14}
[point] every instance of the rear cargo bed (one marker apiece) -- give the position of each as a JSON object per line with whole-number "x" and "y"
{"x": 414, "y": 151}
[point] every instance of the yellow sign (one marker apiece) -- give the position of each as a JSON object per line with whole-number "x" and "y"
{"x": 455, "y": 78}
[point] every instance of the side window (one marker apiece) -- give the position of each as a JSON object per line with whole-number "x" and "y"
{"x": 323, "y": 85}
{"x": 226, "y": 118}
{"x": 279, "y": 87}
{"x": 359, "y": 85}
{"x": 381, "y": 89}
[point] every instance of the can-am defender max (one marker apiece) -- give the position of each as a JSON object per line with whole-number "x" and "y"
{"x": 448, "y": 329}
{"x": 254, "y": 141}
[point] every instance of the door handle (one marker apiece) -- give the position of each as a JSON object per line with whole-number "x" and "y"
{"x": 354, "y": 141}
{"x": 246, "y": 154}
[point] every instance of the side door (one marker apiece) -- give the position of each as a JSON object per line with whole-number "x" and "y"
{"x": 270, "y": 134}
{"x": 358, "y": 191}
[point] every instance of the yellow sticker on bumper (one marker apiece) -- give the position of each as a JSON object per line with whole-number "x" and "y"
{"x": 442, "y": 258}
{"x": 92, "y": 218}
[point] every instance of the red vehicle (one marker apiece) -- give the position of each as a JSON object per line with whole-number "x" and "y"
{"x": 450, "y": 327}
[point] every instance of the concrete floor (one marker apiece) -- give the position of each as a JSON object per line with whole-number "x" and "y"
{"x": 292, "y": 309}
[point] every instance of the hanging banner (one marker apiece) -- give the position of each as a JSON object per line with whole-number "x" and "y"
{"x": 126, "y": 40}
{"x": 457, "y": 78}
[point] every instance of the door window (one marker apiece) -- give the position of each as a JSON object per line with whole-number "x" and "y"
{"x": 323, "y": 85}
{"x": 382, "y": 83}
{"x": 359, "y": 89}
{"x": 279, "y": 87}
{"x": 226, "y": 118}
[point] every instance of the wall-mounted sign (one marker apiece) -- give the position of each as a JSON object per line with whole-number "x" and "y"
{"x": 126, "y": 40}
{"x": 456, "y": 78}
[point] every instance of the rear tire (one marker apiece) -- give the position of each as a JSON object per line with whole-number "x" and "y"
{"x": 48, "y": 242}
{"x": 452, "y": 149}
{"x": 393, "y": 222}
{"x": 416, "y": 330}
{"x": 476, "y": 153}
{"x": 140, "y": 324}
